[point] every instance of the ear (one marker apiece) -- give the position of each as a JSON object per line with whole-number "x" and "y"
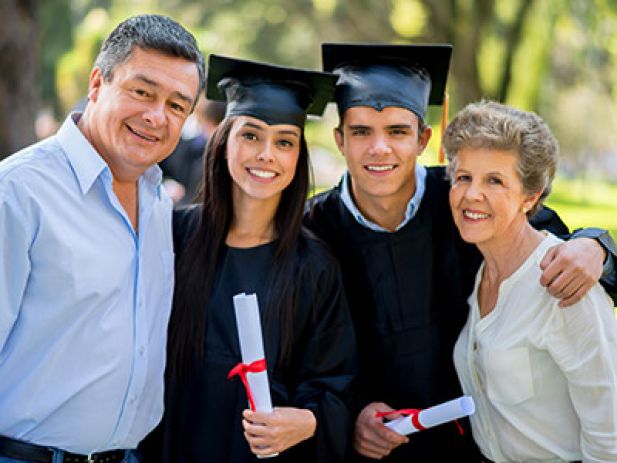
{"x": 339, "y": 138}
{"x": 530, "y": 201}
{"x": 96, "y": 80}
{"x": 425, "y": 137}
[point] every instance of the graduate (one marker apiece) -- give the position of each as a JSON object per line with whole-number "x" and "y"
{"x": 407, "y": 272}
{"x": 247, "y": 236}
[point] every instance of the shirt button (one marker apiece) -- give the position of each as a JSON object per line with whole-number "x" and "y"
{"x": 141, "y": 350}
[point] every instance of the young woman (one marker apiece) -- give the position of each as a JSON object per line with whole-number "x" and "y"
{"x": 247, "y": 237}
{"x": 544, "y": 378}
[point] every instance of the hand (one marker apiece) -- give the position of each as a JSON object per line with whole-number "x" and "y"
{"x": 269, "y": 433}
{"x": 371, "y": 438}
{"x": 570, "y": 269}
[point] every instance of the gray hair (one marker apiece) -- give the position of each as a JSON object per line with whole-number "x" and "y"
{"x": 149, "y": 32}
{"x": 492, "y": 125}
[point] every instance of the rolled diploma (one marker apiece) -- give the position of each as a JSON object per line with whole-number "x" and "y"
{"x": 434, "y": 416}
{"x": 252, "y": 348}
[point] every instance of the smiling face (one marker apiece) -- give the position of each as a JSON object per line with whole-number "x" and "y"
{"x": 380, "y": 148}
{"x": 262, "y": 158}
{"x": 134, "y": 119}
{"x": 487, "y": 198}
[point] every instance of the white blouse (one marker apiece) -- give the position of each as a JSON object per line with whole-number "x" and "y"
{"x": 544, "y": 379}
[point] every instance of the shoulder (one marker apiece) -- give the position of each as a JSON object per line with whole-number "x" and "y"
{"x": 316, "y": 255}
{"x": 33, "y": 162}
{"x": 321, "y": 202}
{"x": 185, "y": 222}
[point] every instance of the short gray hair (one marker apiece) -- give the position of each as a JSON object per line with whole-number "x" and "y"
{"x": 492, "y": 125}
{"x": 149, "y": 32}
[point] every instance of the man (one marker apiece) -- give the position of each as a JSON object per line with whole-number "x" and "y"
{"x": 407, "y": 273}
{"x": 86, "y": 262}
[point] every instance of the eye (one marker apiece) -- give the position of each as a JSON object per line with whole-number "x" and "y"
{"x": 461, "y": 178}
{"x": 285, "y": 143}
{"x": 495, "y": 181}
{"x": 359, "y": 131}
{"x": 399, "y": 132}
{"x": 177, "y": 107}
{"x": 251, "y": 136}
{"x": 140, "y": 92}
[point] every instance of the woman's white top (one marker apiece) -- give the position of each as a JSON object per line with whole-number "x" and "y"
{"x": 544, "y": 378}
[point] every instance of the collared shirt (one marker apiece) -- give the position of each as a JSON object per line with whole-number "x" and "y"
{"x": 84, "y": 300}
{"x": 410, "y": 212}
{"x": 544, "y": 379}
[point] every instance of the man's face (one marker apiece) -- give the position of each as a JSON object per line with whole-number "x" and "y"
{"x": 380, "y": 148}
{"x": 134, "y": 120}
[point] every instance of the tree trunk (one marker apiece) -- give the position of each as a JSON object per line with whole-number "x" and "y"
{"x": 19, "y": 89}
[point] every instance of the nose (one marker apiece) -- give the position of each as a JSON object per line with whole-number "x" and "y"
{"x": 154, "y": 116}
{"x": 380, "y": 146}
{"x": 265, "y": 154}
{"x": 474, "y": 191}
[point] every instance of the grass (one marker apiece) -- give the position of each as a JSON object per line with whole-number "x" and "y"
{"x": 585, "y": 203}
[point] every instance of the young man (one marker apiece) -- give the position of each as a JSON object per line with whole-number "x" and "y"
{"x": 407, "y": 272}
{"x": 86, "y": 257}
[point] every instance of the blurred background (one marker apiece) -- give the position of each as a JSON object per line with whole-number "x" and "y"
{"x": 555, "y": 57}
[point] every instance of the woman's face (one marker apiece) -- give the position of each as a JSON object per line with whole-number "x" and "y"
{"x": 262, "y": 158}
{"x": 487, "y": 199}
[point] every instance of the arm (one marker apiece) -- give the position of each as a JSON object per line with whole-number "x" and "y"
{"x": 582, "y": 343}
{"x": 14, "y": 263}
{"x": 572, "y": 268}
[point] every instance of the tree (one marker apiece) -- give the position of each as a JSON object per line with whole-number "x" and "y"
{"x": 19, "y": 89}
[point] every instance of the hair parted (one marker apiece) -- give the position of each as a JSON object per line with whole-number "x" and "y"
{"x": 492, "y": 125}
{"x": 149, "y": 32}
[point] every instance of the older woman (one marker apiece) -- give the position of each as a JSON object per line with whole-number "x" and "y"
{"x": 544, "y": 378}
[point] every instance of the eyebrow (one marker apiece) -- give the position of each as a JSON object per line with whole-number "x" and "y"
{"x": 400, "y": 126}
{"x": 283, "y": 132}
{"x": 155, "y": 84}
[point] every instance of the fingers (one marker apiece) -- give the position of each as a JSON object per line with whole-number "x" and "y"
{"x": 549, "y": 272}
{"x": 371, "y": 438}
{"x": 574, "y": 298}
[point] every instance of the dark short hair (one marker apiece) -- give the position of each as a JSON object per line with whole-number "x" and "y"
{"x": 149, "y": 32}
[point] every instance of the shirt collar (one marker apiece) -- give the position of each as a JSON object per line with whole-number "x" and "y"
{"x": 410, "y": 212}
{"x": 86, "y": 162}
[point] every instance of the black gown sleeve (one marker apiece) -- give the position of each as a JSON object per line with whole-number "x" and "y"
{"x": 547, "y": 219}
{"x": 326, "y": 365}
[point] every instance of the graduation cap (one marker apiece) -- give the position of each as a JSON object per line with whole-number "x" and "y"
{"x": 379, "y": 76}
{"x": 273, "y": 94}
{"x": 375, "y": 75}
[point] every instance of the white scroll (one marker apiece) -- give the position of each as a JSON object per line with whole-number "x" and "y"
{"x": 433, "y": 416}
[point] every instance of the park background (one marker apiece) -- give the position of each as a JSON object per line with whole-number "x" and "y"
{"x": 555, "y": 57}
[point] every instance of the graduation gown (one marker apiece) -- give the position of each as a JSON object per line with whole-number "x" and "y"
{"x": 203, "y": 417}
{"x": 407, "y": 293}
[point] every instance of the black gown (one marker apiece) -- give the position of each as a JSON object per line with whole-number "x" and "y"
{"x": 203, "y": 417}
{"x": 407, "y": 293}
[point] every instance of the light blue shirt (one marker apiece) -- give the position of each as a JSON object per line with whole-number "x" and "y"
{"x": 84, "y": 301}
{"x": 410, "y": 212}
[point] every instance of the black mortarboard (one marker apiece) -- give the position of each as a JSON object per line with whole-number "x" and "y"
{"x": 273, "y": 94}
{"x": 406, "y": 76}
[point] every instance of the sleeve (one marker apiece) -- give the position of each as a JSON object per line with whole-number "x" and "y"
{"x": 583, "y": 342}
{"x": 327, "y": 366}
{"x": 547, "y": 219}
{"x": 15, "y": 266}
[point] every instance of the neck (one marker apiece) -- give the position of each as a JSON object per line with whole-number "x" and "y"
{"x": 386, "y": 211}
{"x": 252, "y": 223}
{"x": 505, "y": 255}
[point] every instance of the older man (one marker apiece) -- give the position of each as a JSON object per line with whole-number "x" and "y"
{"x": 86, "y": 261}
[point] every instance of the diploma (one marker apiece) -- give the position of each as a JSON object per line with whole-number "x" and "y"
{"x": 252, "y": 370}
{"x": 433, "y": 416}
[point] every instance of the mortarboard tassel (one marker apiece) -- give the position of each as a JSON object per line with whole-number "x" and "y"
{"x": 444, "y": 123}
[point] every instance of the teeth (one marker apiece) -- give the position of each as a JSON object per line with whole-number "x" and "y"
{"x": 380, "y": 168}
{"x": 139, "y": 134}
{"x": 475, "y": 215}
{"x": 262, "y": 173}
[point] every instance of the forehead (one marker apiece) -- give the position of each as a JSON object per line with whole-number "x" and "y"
{"x": 161, "y": 69}
{"x": 250, "y": 121}
{"x": 487, "y": 160}
{"x": 391, "y": 115}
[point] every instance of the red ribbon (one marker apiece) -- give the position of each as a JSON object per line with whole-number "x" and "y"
{"x": 241, "y": 369}
{"x": 414, "y": 414}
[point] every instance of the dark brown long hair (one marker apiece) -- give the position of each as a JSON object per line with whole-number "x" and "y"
{"x": 198, "y": 263}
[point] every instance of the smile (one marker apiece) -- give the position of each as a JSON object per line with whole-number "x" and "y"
{"x": 142, "y": 135}
{"x": 381, "y": 168}
{"x": 475, "y": 215}
{"x": 262, "y": 173}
